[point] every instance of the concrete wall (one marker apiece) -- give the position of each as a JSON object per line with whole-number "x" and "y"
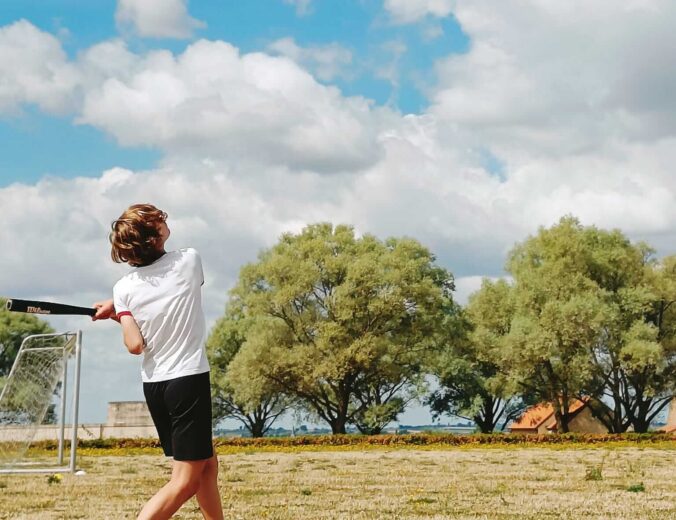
{"x": 84, "y": 431}
{"x": 128, "y": 413}
{"x": 126, "y": 419}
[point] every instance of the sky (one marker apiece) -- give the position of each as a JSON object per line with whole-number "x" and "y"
{"x": 464, "y": 124}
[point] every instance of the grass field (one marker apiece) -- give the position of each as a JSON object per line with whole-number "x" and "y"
{"x": 479, "y": 483}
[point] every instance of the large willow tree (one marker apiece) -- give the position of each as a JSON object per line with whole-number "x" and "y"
{"x": 348, "y": 321}
{"x": 594, "y": 315}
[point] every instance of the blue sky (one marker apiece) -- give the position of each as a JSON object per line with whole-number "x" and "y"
{"x": 38, "y": 144}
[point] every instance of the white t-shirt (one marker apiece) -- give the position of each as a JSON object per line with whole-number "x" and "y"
{"x": 165, "y": 299}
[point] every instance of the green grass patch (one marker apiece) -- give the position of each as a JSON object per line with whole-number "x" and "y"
{"x": 636, "y": 488}
{"x": 422, "y": 500}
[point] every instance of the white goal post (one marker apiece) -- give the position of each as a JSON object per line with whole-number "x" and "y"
{"x": 39, "y": 376}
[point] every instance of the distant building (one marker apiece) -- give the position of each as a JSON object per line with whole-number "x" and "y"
{"x": 541, "y": 419}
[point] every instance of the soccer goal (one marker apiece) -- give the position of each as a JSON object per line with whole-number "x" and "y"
{"x": 37, "y": 384}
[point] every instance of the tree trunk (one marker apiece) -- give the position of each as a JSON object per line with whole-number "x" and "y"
{"x": 561, "y": 426}
{"x": 562, "y": 416}
{"x": 641, "y": 425}
{"x": 485, "y": 420}
{"x": 338, "y": 425}
{"x": 617, "y": 422}
{"x": 339, "y": 422}
{"x": 257, "y": 428}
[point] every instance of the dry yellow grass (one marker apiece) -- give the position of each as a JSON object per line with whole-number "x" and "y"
{"x": 523, "y": 483}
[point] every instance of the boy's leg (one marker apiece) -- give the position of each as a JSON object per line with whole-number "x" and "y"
{"x": 208, "y": 497}
{"x": 185, "y": 481}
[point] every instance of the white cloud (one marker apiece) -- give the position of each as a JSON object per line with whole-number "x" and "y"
{"x": 212, "y": 101}
{"x": 579, "y": 109}
{"x": 409, "y": 11}
{"x": 34, "y": 69}
{"x": 207, "y": 101}
{"x": 545, "y": 79}
{"x": 303, "y": 7}
{"x": 107, "y": 59}
{"x": 327, "y": 62}
{"x": 262, "y": 118}
{"x": 157, "y": 18}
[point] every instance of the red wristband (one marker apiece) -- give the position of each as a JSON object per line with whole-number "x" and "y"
{"x": 123, "y": 313}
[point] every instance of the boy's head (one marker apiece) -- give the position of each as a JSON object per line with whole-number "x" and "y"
{"x": 138, "y": 235}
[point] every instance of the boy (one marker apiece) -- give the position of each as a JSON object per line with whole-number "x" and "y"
{"x": 158, "y": 304}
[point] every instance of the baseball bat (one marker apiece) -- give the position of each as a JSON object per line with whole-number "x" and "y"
{"x": 36, "y": 307}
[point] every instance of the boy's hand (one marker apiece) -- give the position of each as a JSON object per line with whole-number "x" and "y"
{"x": 104, "y": 311}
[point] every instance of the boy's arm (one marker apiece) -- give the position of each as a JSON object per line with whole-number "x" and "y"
{"x": 131, "y": 334}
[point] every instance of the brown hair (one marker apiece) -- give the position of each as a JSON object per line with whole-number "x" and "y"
{"x": 135, "y": 237}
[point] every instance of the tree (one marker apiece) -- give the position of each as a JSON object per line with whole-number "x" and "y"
{"x": 14, "y": 327}
{"x": 594, "y": 317}
{"x": 632, "y": 356}
{"x": 648, "y": 355}
{"x": 351, "y": 320}
{"x": 559, "y": 313}
{"x": 617, "y": 267}
{"x": 472, "y": 384}
{"x": 381, "y": 396}
{"x": 239, "y": 390}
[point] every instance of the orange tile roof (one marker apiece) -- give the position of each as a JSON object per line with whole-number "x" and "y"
{"x": 534, "y": 416}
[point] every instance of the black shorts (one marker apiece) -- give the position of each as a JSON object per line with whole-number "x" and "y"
{"x": 181, "y": 411}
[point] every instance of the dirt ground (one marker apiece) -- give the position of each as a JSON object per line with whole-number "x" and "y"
{"x": 498, "y": 483}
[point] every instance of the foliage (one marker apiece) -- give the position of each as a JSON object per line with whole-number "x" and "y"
{"x": 348, "y": 321}
{"x": 239, "y": 388}
{"x": 348, "y": 327}
{"x": 634, "y": 364}
{"x": 14, "y": 327}
{"x": 364, "y": 441}
{"x": 371, "y": 418}
{"x": 471, "y": 382}
{"x": 559, "y": 314}
{"x": 593, "y": 317}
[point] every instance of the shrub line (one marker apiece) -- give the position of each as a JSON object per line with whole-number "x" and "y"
{"x": 416, "y": 439}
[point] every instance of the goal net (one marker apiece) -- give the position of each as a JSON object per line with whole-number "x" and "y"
{"x": 37, "y": 384}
